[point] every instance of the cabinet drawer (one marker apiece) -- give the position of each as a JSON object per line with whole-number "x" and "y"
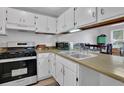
{"x": 69, "y": 64}
{"x": 43, "y": 55}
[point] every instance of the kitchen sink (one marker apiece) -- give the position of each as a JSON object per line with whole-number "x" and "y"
{"x": 82, "y": 56}
{"x": 78, "y": 55}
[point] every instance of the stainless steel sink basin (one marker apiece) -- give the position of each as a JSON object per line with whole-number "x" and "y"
{"x": 78, "y": 55}
{"x": 82, "y": 56}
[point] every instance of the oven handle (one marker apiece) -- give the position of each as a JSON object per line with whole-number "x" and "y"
{"x": 17, "y": 59}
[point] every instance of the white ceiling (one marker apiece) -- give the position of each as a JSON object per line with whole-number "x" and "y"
{"x": 50, "y": 11}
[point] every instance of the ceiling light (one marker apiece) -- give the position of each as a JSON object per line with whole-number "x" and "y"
{"x": 74, "y": 30}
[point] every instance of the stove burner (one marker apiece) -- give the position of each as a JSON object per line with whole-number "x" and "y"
{"x": 18, "y": 52}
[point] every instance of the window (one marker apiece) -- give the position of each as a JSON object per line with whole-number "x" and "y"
{"x": 117, "y": 38}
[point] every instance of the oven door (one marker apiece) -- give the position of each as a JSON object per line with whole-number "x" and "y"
{"x": 10, "y": 71}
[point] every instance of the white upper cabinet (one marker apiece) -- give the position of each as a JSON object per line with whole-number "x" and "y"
{"x": 2, "y": 20}
{"x": 13, "y": 16}
{"x": 20, "y": 19}
{"x": 69, "y": 19}
{"x": 85, "y": 16}
{"x": 51, "y": 25}
{"x": 28, "y": 19}
{"x": 45, "y": 24}
{"x": 60, "y": 23}
{"x": 41, "y": 23}
{"x": 66, "y": 21}
{"x": 105, "y": 13}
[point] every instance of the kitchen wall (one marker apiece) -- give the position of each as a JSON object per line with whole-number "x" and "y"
{"x": 89, "y": 36}
{"x": 84, "y": 36}
{"x": 13, "y": 35}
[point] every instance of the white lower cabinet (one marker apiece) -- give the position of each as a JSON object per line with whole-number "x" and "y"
{"x": 108, "y": 81}
{"x": 52, "y": 59}
{"x": 69, "y": 73}
{"x": 59, "y": 73}
{"x": 69, "y": 77}
{"x": 43, "y": 66}
{"x": 65, "y": 76}
{"x": 88, "y": 77}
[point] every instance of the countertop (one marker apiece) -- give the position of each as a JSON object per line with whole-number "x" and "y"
{"x": 110, "y": 65}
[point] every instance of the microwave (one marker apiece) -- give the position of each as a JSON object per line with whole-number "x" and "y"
{"x": 63, "y": 45}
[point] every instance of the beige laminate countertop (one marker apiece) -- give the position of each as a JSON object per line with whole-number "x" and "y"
{"x": 112, "y": 66}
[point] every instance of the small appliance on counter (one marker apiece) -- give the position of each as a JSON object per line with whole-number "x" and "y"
{"x": 18, "y": 64}
{"x": 106, "y": 49}
{"x": 122, "y": 50}
{"x": 101, "y": 39}
{"x": 41, "y": 47}
{"x": 63, "y": 45}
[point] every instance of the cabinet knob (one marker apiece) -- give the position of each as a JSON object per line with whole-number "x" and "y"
{"x": 61, "y": 70}
{"x": 94, "y": 14}
{"x": 24, "y": 20}
{"x": 36, "y": 28}
{"x": 102, "y": 11}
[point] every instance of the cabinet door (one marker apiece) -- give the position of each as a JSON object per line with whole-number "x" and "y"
{"x": 59, "y": 73}
{"x": 108, "y": 81}
{"x": 69, "y": 19}
{"x": 2, "y": 20}
{"x": 85, "y": 15}
{"x": 13, "y": 16}
{"x": 69, "y": 77}
{"x": 28, "y": 19}
{"x": 43, "y": 66}
{"x": 88, "y": 77}
{"x": 53, "y": 65}
{"x": 51, "y": 25}
{"x": 41, "y": 23}
{"x": 105, "y": 13}
{"x": 60, "y": 24}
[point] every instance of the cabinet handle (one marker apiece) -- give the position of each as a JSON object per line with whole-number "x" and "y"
{"x": 24, "y": 20}
{"x": 1, "y": 28}
{"x": 36, "y": 17}
{"x": 75, "y": 23}
{"x": 94, "y": 14}
{"x": 77, "y": 79}
{"x": 20, "y": 20}
{"x": 63, "y": 72}
{"x": 36, "y": 28}
{"x": 102, "y": 11}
